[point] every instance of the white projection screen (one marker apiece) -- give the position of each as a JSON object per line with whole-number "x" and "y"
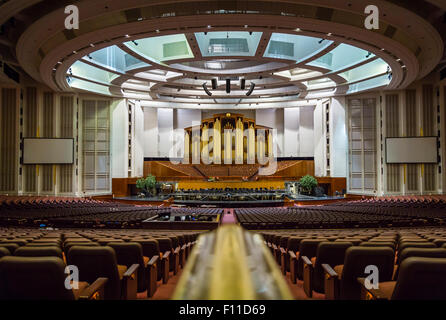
{"x": 47, "y": 151}
{"x": 411, "y": 150}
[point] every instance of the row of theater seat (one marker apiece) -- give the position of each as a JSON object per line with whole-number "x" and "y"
{"x": 363, "y": 213}
{"x": 117, "y": 264}
{"x": 86, "y": 213}
{"x": 411, "y": 263}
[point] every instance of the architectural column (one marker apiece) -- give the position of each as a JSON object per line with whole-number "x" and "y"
{"x": 217, "y": 141}
{"x": 196, "y": 145}
{"x": 270, "y": 145}
{"x": 205, "y": 141}
{"x": 261, "y": 146}
{"x": 228, "y": 146}
{"x": 186, "y": 157}
{"x": 239, "y": 141}
{"x": 251, "y": 144}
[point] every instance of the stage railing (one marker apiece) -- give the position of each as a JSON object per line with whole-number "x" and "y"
{"x": 231, "y": 264}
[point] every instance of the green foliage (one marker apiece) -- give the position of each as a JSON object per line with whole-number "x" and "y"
{"x": 147, "y": 183}
{"x": 141, "y": 183}
{"x": 308, "y": 183}
{"x": 150, "y": 182}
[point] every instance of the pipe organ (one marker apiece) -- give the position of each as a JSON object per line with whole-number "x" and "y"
{"x": 228, "y": 138}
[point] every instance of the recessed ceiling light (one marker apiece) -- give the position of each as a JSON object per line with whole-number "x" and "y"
{"x": 58, "y": 62}
{"x": 398, "y": 59}
{"x": 157, "y": 31}
{"x": 329, "y": 34}
{"x": 403, "y": 66}
{"x": 382, "y": 49}
{"x": 297, "y": 30}
{"x": 91, "y": 45}
{"x": 74, "y": 52}
{"x": 127, "y": 36}
{"x": 209, "y": 26}
{"x": 246, "y": 26}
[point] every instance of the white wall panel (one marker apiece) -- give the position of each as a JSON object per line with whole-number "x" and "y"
{"x": 150, "y": 132}
{"x": 291, "y": 132}
{"x": 306, "y": 134}
{"x": 338, "y": 138}
{"x": 119, "y": 139}
{"x": 138, "y": 151}
{"x": 319, "y": 140}
{"x": 165, "y": 130}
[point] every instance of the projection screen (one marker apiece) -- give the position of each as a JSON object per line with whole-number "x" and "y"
{"x": 47, "y": 151}
{"x": 411, "y": 150}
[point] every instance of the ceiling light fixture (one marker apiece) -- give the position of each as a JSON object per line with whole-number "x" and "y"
{"x": 297, "y": 30}
{"x": 251, "y": 89}
{"x": 206, "y": 89}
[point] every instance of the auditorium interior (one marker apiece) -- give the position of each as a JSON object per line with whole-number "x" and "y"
{"x": 222, "y": 150}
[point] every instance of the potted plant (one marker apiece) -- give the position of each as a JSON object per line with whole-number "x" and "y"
{"x": 150, "y": 183}
{"x": 141, "y": 185}
{"x": 307, "y": 184}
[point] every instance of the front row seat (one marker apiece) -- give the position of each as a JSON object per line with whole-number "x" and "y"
{"x": 42, "y": 278}
{"x": 94, "y": 262}
{"x": 341, "y": 282}
{"x": 419, "y": 279}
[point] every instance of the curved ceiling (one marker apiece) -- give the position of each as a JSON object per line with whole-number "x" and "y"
{"x": 290, "y": 66}
{"x": 163, "y": 52}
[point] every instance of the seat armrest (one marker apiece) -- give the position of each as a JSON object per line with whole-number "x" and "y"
{"x": 97, "y": 286}
{"x": 130, "y": 283}
{"x": 177, "y": 250}
{"x": 183, "y": 247}
{"x": 308, "y": 276}
{"x": 292, "y": 254}
{"x": 329, "y": 270}
{"x": 132, "y": 270}
{"x": 274, "y": 246}
{"x": 331, "y": 283}
{"x": 153, "y": 260}
{"x": 307, "y": 261}
{"x": 166, "y": 254}
{"x": 282, "y": 250}
{"x": 373, "y": 294}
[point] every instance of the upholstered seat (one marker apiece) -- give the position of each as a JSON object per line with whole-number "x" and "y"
{"x": 129, "y": 253}
{"x": 4, "y": 252}
{"x": 419, "y": 278}
{"x": 94, "y": 262}
{"x": 343, "y": 284}
{"x": 19, "y": 281}
{"x": 331, "y": 253}
{"x": 50, "y": 251}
